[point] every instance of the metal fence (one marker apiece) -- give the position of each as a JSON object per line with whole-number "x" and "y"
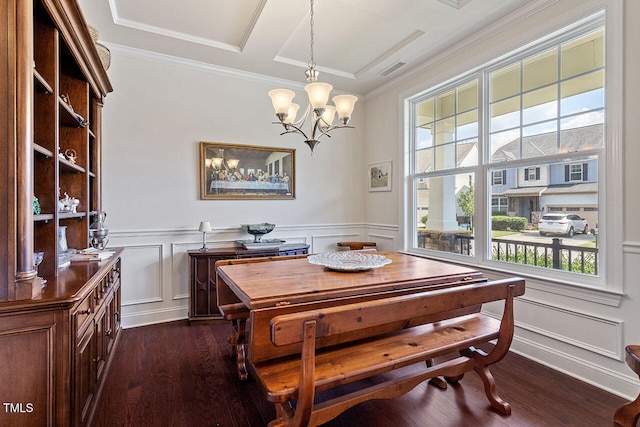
{"x": 550, "y": 255}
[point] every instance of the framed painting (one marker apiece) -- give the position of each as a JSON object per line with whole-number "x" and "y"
{"x": 380, "y": 176}
{"x": 230, "y": 171}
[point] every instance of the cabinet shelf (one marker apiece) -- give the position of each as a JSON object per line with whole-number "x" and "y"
{"x": 43, "y": 217}
{"x": 70, "y": 118}
{"x": 42, "y": 151}
{"x": 66, "y": 165}
{"x": 71, "y": 215}
{"x": 41, "y": 84}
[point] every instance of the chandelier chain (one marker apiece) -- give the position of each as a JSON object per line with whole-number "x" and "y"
{"x": 312, "y": 63}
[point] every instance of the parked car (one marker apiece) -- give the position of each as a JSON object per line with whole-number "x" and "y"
{"x": 568, "y": 224}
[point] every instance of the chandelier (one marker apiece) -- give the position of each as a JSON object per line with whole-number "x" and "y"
{"x": 320, "y": 115}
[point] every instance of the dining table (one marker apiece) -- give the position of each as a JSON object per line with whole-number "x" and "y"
{"x": 283, "y": 286}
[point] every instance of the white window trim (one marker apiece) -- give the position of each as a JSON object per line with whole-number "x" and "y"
{"x": 608, "y": 288}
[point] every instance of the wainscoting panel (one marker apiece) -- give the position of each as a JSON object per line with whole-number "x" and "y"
{"x": 155, "y": 285}
{"x": 142, "y": 276}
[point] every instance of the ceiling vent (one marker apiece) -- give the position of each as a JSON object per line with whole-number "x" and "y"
{"x": 392, "y": 68}
{"x": 456, "y": 3}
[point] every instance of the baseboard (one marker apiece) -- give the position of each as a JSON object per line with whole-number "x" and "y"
{"x": 591, "y": 373}
{"x": 150, "y": 317}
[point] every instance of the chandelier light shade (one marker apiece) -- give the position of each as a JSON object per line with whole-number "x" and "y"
{"x": 319, "y": 113}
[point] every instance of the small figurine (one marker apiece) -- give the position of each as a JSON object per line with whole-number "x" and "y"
{"x": 36, "y": 206}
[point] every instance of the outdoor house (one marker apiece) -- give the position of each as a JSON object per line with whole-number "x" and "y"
{"x": 532, "y": 191}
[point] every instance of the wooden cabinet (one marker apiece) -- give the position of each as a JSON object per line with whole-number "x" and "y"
{"x": 56, "y": 349}
{"x": 53, "y": 340}
{"x": 202, "y": 289}
{"x": 52, "y": 104}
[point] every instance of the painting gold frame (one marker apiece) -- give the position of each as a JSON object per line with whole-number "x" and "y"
{"x": 233, "y": 171}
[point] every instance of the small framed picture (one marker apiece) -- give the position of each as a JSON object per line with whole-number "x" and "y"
{"x": 380, "y": 176}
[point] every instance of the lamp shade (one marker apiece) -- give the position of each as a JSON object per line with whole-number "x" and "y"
{"x": 233, "y": 163}
{"x": 293, "y": 112}
{"x": 281, "y": 99}
{"x": 318, "y": 93}
{"x": 344, "y": 105}
{"x": 217, "y": 162}
{"x": 329, "y": 114}
{"x": 205, "y": 226}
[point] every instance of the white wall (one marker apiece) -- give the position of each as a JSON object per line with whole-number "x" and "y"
{"x": 162, "y": 108}
{"x": 579, "y": 332}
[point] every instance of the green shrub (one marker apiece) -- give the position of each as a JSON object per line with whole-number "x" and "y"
{"x": 424, "y": 219}
{"x": 529, "y": 257}
{"x": 508, "y": 223}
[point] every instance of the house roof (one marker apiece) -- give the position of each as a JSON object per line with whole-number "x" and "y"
{"x": 589, "y": 187}
{"x": 576, "y": 139}
{"x": 525, "y": 191}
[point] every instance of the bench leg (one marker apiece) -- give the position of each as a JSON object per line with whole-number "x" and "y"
{"x": 237, "y": 334}
{"x": 490, "y": 390}
{"x": 436, "y": 381}
{"x": 237, "y": 346}
{"x": 482, "y": 369}
{"x": 284, "y": 414}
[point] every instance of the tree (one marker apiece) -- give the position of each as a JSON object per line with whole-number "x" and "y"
{"x": 465, "y": 201}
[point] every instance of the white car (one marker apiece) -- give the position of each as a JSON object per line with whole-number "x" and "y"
{"x": 568, "y": 224}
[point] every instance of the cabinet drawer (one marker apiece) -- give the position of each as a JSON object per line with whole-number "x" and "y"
{"x": 83, "y": 313}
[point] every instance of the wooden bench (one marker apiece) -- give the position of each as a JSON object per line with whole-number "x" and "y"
{"x": 386, "y": 334}
{"x": 238, "y": 313}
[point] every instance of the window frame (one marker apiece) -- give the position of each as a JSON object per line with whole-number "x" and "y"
{"x": 607, "y": 287}
{"x": 498, "y": 174}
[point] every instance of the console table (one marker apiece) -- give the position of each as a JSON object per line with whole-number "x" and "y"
{"x": 203, "y": 289}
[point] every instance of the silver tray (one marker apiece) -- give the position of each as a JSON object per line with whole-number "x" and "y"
{"x": 349, "y": 260}
{"x": 264, "y": 244}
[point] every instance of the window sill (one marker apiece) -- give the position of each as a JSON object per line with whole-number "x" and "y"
{"x": 553, "y": 286}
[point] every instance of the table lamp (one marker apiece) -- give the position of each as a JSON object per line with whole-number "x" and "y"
{"x": 204, "y": 227}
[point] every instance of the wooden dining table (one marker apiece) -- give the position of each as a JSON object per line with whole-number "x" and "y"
{"x": 268, "y": 289}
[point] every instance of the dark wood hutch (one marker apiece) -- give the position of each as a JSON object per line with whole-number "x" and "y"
{"x": 56, "y": 341}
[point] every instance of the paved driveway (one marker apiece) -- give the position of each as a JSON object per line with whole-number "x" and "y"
{"x": 534, "y": 236}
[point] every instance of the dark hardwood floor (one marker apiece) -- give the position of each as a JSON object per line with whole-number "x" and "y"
{"x": 176, "y": 374}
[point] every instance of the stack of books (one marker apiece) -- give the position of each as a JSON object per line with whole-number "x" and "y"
{"x": 92, "y": 254}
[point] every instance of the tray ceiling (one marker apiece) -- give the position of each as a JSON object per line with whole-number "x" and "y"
{"x": 356, "y": 41}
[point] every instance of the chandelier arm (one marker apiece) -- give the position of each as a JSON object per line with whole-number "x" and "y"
{"x": 331, "y": 128}
{"x": 304, "y": 117}
{"x": 291, "y": 128}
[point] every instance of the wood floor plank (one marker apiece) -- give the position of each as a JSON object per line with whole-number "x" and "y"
{"x": 176, "y": 374}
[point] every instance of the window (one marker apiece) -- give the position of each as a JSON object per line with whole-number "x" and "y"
{"x": 576, "y": 172}
{"x": 530, "y": 129}
{"x": 498, "y": 205}
{"x": 531, "y": 174}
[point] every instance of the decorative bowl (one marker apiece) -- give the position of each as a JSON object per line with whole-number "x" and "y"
{"x": 259, "y": 230}
{"x": 349, "y": 261}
